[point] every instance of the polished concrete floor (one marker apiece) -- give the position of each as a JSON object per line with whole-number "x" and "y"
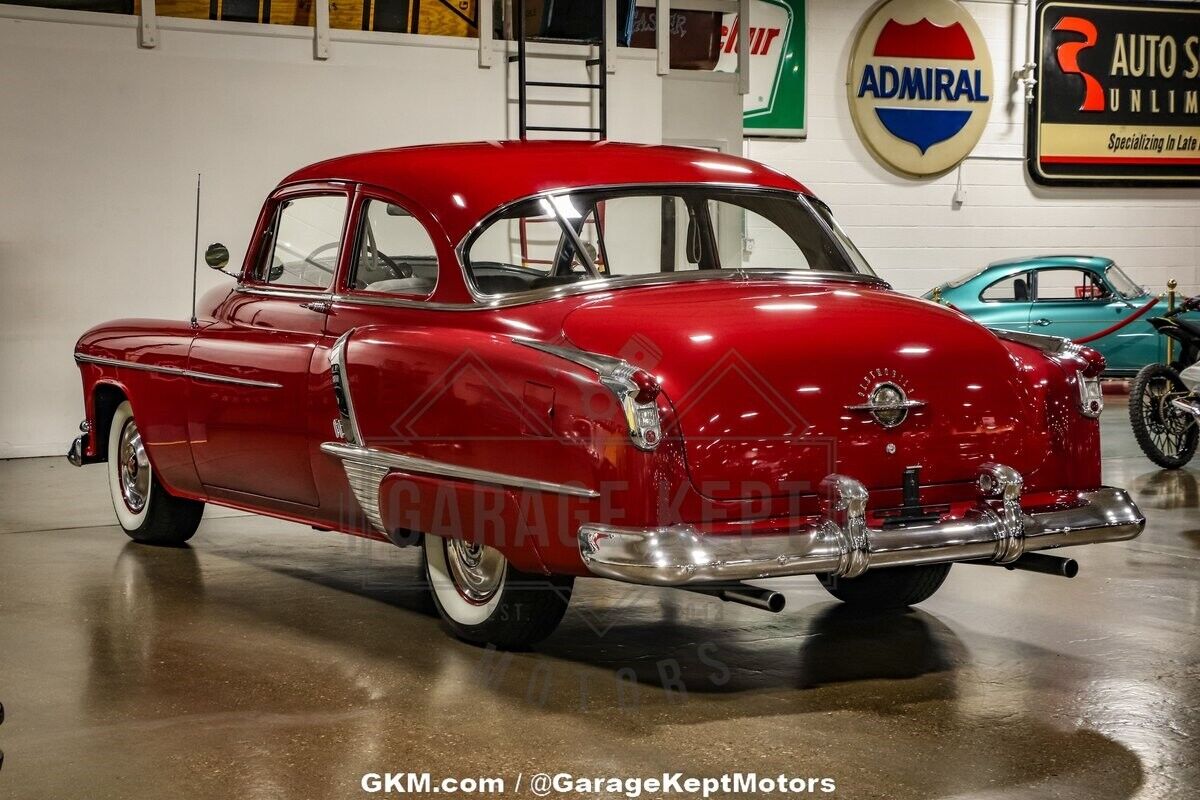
{"x": 268, "y": 660}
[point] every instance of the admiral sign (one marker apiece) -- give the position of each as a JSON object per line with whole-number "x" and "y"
{"x": 1118, "y": 94}
{"x": 920, "y": 85}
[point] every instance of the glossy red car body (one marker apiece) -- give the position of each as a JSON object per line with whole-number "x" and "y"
{"x": 758, "y": 377}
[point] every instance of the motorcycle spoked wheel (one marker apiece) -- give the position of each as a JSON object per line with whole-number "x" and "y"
{"x": 1166, "y": 435}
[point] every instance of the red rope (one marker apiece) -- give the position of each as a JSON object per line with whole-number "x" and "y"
{"x": 1119, "y": 325}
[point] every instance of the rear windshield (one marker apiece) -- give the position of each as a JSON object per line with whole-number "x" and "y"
{"x": 598, "y": 235}
{"x": 961, "y": 279}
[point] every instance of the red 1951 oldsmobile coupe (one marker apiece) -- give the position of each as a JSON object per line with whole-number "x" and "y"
{"x": 547, "y": 360}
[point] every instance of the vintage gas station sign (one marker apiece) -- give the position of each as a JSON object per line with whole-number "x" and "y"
{"x": 920, "y": 85}
{"x": 775, "y": 105}
{"x": 1118, "y": 94}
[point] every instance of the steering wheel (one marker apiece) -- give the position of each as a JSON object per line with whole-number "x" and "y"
{"x": 375, "y": 256}
{"x": 311, "y": 258}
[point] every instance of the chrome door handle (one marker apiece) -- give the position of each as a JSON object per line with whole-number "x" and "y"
{"x": 320, "y": 306}
{"x": 1043, "y": 322}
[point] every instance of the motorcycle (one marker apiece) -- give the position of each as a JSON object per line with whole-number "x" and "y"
{"x": 1164, "y": 401}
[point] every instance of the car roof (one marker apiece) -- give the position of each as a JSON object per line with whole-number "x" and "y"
{"x": 1035, "y": 262}
{"x": 459, "y": 184}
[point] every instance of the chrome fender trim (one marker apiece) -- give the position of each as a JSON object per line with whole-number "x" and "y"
{"x": 366, "y": 468}
{"x": 842, "y": 544}
{"x": 179, "y": 371}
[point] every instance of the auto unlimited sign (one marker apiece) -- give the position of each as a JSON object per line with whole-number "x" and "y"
{"x": 1118, "y": 96}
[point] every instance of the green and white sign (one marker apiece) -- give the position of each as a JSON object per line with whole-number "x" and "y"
{"x": 775, "y": 105}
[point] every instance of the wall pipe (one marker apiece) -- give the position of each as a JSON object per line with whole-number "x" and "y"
{"x": 1026, "y": 73}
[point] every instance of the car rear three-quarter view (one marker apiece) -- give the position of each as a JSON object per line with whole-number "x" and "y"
{"x": 547, "y": 361}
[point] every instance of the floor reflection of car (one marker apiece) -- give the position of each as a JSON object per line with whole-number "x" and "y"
{"x": 1069, "y": 296}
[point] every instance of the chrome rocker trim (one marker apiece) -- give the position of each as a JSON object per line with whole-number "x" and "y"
{"x": 842, "y": 544}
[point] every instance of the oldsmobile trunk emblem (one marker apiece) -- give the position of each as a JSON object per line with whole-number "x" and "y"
{"x": 886, "y": 398}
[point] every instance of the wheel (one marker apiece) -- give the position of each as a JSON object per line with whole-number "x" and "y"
{"x": 485, "y": 600}
{"x": 1166, "y": 435}
{"x": 147, "y": 513}
{"x": 893, "y": 587}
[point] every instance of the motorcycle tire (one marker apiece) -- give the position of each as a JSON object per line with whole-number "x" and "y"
{"x": 1166, "y": 435}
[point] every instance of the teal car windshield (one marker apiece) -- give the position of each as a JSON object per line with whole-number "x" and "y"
{"x": 1122, "y": 283}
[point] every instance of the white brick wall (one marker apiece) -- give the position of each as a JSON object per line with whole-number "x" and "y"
{"x": 909, "y": 230}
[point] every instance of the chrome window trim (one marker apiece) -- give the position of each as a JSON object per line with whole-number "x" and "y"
{"x": 424, "y": 466}
{"x": 487, "y": 302}
{"x": 283, "y": 293}
{"x": 178, "y": 371}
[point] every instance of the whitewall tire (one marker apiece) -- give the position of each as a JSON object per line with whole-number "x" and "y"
{"x": 486, "y": 600}
{"x": 146, "y": 512}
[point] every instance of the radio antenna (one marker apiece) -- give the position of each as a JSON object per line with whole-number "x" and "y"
{"x": 196, "y": 250}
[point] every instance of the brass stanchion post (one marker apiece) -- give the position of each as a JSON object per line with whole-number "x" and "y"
{"x": 1171, "y": 286}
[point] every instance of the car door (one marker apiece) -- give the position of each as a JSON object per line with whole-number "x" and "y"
{"x": 1071, "y": 302}
{"x": 390, "y": 271}
{"x": 252, "y": 437}
{"x": 1005, "y": 303}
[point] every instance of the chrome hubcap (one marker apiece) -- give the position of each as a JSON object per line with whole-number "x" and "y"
{"x": 133, "y": 468}
{"x": 477, "y": 570}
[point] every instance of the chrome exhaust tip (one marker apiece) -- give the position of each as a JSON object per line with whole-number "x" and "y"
{"x": 1040, "y": 562}
{"x": 745, "y": 594}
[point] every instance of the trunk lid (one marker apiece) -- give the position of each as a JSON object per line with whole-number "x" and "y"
{"x": 764, "y": 377}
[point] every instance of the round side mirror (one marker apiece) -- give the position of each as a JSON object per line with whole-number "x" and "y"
{"x": 217, "y": 256}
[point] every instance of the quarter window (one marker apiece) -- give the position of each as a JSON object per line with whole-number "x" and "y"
{"x": 1013, "y": 289}
{"x": 395, "y": 253}
{"x": 307, "y": 240}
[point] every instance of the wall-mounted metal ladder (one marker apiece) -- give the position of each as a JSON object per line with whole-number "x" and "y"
{"x": 599, "y": 86}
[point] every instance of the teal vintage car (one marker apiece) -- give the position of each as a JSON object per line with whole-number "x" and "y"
{"x": 1069, "y": 296}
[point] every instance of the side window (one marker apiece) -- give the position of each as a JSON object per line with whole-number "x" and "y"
{"x": 1069, "y": 284}
{"x": 1013, "y": 289}
{"x": 307, "y": 240}
{"x": 395, "y": 253}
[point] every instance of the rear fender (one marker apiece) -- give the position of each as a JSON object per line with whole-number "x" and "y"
{"x": 497, "y": 441}
{"x": 1073, "y": 439}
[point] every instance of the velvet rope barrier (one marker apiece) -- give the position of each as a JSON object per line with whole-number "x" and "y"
{"x": 1119, "y": 325}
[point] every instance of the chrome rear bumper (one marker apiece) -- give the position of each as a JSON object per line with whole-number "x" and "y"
{"x": 841, "y": 544}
